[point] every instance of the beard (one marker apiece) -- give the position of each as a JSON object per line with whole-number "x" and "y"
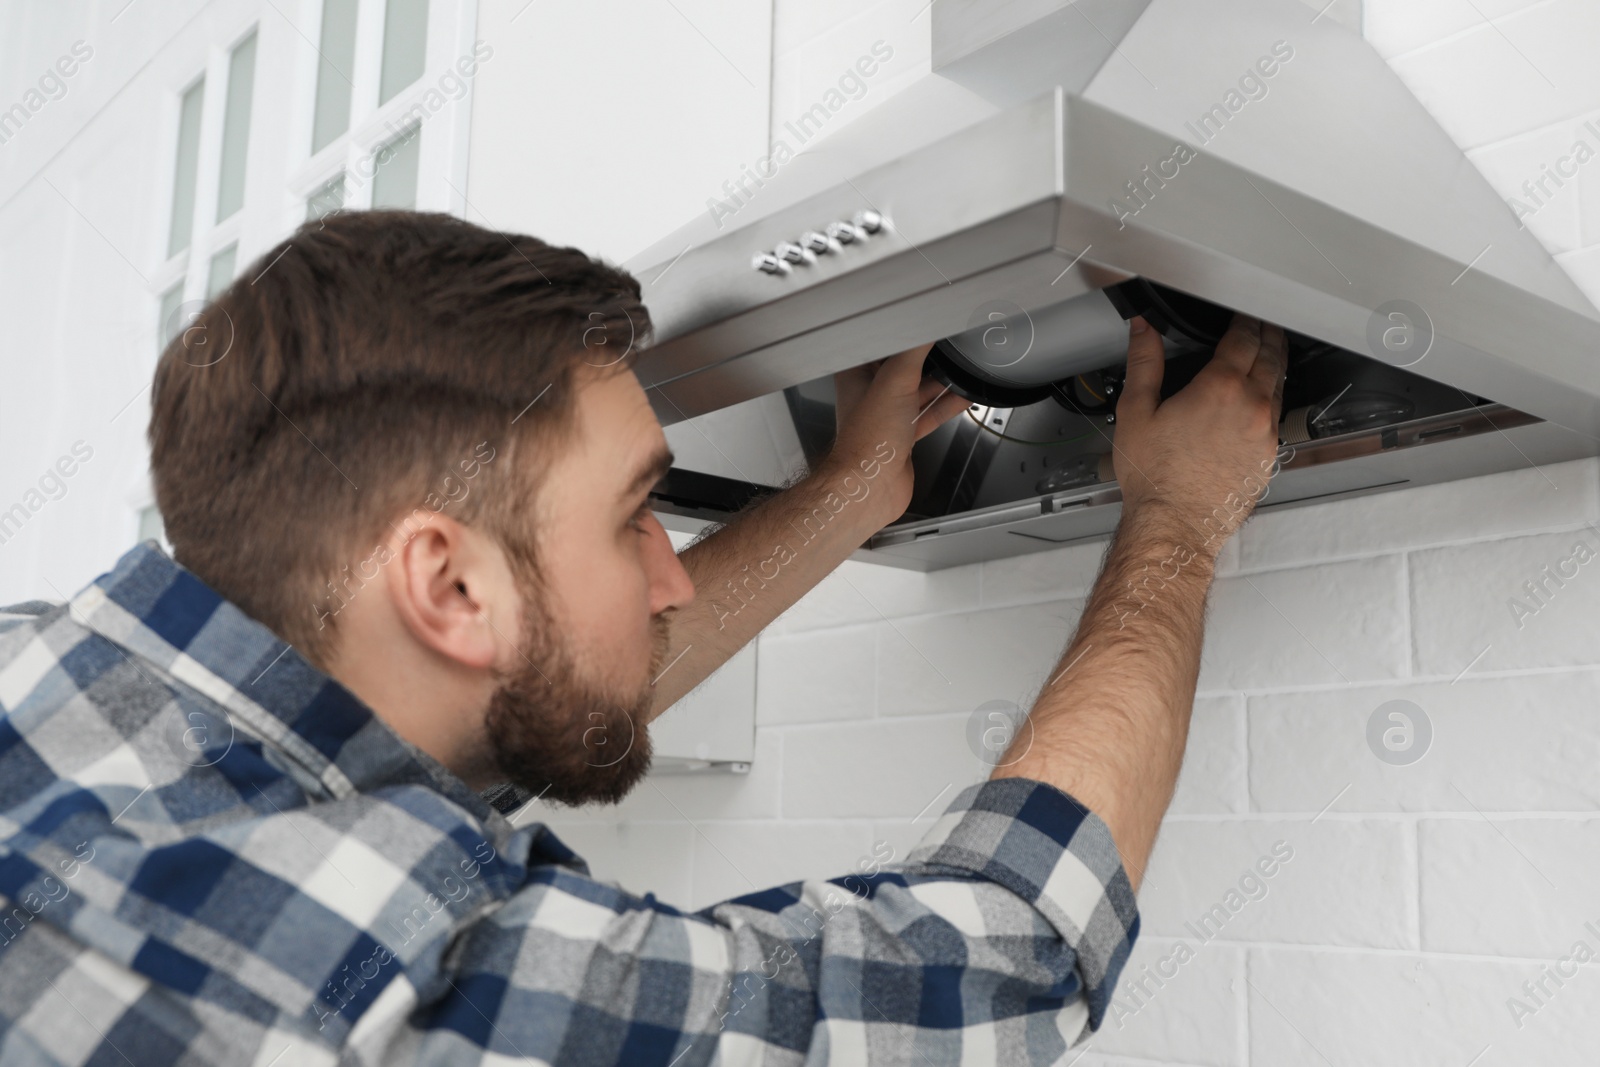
{"x": 555, "y": 731}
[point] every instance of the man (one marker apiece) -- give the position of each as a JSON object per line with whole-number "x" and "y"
{"x": 405, "y": 473}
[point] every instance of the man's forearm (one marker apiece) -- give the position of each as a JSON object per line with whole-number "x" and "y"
{"x": 1110, "y": 726}
{"x": 751, "y": 571}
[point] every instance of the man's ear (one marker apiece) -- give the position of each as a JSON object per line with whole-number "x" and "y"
{"x": 451, "y": 587}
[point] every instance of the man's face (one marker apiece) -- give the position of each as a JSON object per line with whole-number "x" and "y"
{"x": 569, "y": 720}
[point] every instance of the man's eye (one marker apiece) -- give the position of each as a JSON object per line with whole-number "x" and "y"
{"x": 639, "y": 517}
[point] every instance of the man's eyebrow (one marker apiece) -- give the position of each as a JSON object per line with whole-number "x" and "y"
{"x": 653, "y": 471}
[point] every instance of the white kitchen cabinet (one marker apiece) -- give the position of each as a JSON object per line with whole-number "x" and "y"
{"x": 607, "y": 124}
{"x": 714, "y": 727}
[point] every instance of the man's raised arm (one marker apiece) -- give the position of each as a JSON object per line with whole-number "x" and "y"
{"x": 751, "y": 571}
{"x": 1110, "y": 727}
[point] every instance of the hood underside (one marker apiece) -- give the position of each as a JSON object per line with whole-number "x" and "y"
{"x": 1246, "y": 152}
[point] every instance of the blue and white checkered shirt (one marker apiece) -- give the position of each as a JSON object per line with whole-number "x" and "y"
{"x": 211, "y": 852}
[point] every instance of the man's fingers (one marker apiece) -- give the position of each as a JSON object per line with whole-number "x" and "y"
{"x": 1141, "y": 390}
{"x": 849, "y": 386}
{"x": 1237, "y": 350}
{"x": 856, "y": 378}
{"x": 904, "y": 370}
{"x": 1267, "y": 374}
{"x": 938, "y": 412}
{"x": 930, "y": 390}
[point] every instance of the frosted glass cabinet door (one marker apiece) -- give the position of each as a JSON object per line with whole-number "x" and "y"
{"x": 336, "y": 56}
{"x": 394, "y": 180}
{"x": 236, "y": 128}
{"x": 186, "y": 171}
{"x": 220, "y": 271}
{"x": 405, "y": 46}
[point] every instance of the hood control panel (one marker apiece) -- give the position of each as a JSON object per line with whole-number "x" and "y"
{"x": 813, "y": 243}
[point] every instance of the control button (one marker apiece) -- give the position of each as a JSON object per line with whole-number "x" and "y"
{"x": 771, "y": 264}
{"x": 790, "y": 251}
{"x": 843, "y": 232}
{"x": 816, "y": 242}
{"x": 868, "y": 221}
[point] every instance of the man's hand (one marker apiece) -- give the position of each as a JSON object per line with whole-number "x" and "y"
{"x": 888, "y": 402}
{"x": 773, "y": 554}
{"x": 1110, "y": 726}
{"x": 1196, "y": 455}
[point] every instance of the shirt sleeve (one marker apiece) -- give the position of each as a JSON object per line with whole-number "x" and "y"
{"x": 998, "y": 939}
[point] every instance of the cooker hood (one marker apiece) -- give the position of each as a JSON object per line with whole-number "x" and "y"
{"x": 1179, "y": 159}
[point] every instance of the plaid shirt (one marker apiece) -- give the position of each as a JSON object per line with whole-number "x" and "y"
{"x": 210, "y": 852}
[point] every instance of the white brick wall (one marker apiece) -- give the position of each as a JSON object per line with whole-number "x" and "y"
{"x": 1419, "y": 897}
{"x": 1514, "y": 81}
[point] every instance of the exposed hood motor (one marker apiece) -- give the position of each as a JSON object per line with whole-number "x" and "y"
{"x": 1011, "y": 358}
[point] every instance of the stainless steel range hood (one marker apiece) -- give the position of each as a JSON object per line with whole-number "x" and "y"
{"x": 1244, "y": 152}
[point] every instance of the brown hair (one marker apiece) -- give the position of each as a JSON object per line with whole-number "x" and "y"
{"x": 347, "y": 377}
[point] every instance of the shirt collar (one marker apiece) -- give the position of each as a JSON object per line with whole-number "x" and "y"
{"x": 173, "y": 625}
